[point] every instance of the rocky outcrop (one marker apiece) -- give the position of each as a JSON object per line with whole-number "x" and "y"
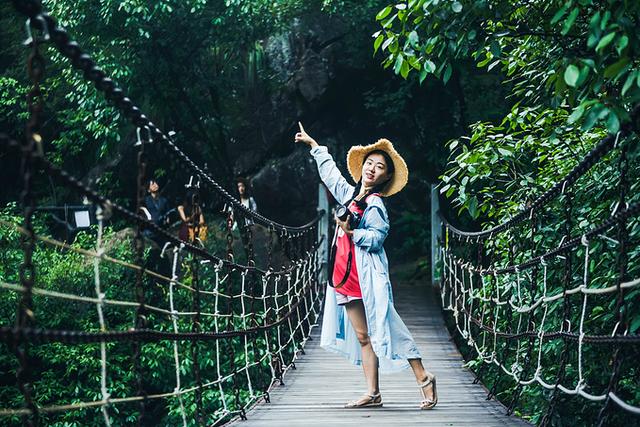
{"x": 303, "y": 62}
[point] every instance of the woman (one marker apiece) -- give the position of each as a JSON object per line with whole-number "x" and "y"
{"x": 244, "y": 192}
{"x": 375, "y": 336}
{"x": 190, "y": 214}
{"x": 246, "y": 199}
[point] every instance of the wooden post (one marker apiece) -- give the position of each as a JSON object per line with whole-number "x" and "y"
{"x": 323, "y": 231}
{"x": 436, "y": 235}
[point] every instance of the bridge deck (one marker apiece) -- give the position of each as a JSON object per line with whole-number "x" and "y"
{"x": 313, "y": 394}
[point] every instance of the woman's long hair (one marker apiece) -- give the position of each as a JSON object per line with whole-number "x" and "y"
{"x": 191, "y": 198}
{"x": 362, "y": 204}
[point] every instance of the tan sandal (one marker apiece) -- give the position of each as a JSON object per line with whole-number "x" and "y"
{"x": 370, "y": 401}
{"x": 428, "y": 403}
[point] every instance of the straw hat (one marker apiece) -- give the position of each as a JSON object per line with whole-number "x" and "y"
{"x": 357, "y": 154}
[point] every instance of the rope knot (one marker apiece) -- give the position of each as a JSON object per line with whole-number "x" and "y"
{"x": 584, "y": 240}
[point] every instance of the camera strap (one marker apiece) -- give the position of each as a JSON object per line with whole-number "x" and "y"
{"x": 332, "y": 260}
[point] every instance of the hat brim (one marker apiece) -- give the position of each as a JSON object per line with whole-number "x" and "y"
{"x": 357, "y": 154}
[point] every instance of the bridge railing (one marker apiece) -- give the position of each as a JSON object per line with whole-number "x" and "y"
{"x": 534, "y": 314}
{"x": 196, "y": 336}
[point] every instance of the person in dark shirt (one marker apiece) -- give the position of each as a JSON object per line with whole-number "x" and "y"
{"x": 156, "y": 205}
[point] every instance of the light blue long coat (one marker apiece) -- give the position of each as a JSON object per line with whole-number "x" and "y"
{"x": 391, "y": 340}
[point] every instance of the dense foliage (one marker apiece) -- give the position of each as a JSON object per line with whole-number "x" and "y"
{"x": 68, "y": 374}
{"x": 573, "y": 67}
{"x": 583, "y": 54}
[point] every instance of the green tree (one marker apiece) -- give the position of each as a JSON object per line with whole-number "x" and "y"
{"x": 583, "y": 54}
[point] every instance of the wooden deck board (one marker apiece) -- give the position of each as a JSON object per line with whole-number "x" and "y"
{"x": 314, "y": 393}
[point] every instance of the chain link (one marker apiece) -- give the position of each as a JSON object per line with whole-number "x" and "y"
{"x": 31, "y": 149}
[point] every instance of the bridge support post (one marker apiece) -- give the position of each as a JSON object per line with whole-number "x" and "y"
{"x": 323, "y": 232}
{"x": 436, "y": 236}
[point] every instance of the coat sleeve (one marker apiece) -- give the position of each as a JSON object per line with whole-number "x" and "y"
{"x": 330, "y": 175}
{"x": 375, "y": 230}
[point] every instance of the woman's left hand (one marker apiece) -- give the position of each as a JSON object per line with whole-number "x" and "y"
{"x": 345, "y": 226}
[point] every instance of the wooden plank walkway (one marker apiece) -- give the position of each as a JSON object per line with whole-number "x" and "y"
{"x": 314, "y": 393}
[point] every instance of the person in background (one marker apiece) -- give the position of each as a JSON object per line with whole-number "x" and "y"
{"x": 156, "y": 205}
{"x": 245, "y": 194}
{"x": 191, "y": 214}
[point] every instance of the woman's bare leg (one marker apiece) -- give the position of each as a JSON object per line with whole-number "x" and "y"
{"x": 421, "y": 376}
{"x": 358, "y": 319}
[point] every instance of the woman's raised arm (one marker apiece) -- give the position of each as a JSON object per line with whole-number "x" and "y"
{"x": 329, "y": 173}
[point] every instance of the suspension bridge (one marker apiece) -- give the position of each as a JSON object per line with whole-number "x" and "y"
{"x": 235, "y": 335}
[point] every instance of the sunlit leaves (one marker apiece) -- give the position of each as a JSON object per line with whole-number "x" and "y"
{"x": 561, "y": 53}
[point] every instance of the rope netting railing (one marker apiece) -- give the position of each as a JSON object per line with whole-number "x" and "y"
{"x": 543, "y": 301}
{"x": 132, "y": 322}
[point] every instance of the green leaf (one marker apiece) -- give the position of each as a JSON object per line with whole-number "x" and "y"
{"x": 472, "y": 206}
{"x": 495, "y": 48}
{"x": 560, "y": 13}
{"x": 568, "y": 23}
{"x": 504, "y": 152}
{"x": 623, "y": 41}
{"x": 387, "y": 42}
{"x": 593, "y": 115}
{"x": 613, "y": 123}
{"x": 605, "y": 19}
{"x": 413, "y": 38}
{"x": 404, "y": 69}
{"x": 423, "y": 75}
{"x": 450, "y": 192}
{"x": 383, "y": 13}
{"x": 447, "y": 74}
{"x": 398, "y": 64}
{"x": 604, "y": 42}
{"x": 429, "y": 66}
{"x": 576, "y": 114}
{"x": 613, "y": 70}
{"x": 377, "y": 43}
{"x": 571, "y": 75}
{"x": 630, "y": 79}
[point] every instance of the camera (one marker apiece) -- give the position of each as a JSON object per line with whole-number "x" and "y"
{"x": 343, "y": 213}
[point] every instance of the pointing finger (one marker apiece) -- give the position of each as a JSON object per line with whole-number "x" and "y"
{"x": 301, "y": 128}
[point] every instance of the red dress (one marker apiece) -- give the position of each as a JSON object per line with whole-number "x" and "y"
{"x": 344, "y": 246}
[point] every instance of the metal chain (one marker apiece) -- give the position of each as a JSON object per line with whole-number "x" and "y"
{"x": 517, "y": 393}
{"x": 141, "y": 312}
{"x": 620, "y": 309}
{"x": 31, "y": 148}
{"x": 62, "y": 175}
{"x": 598, "y": 152}
{"x": 546, "y": 419}
{"x": 196, "y": 326}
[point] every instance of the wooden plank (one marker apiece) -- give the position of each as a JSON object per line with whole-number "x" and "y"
{"x": 314, "y": 393}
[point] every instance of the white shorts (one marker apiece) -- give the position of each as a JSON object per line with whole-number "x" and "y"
{"x": 343, "y": 299}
